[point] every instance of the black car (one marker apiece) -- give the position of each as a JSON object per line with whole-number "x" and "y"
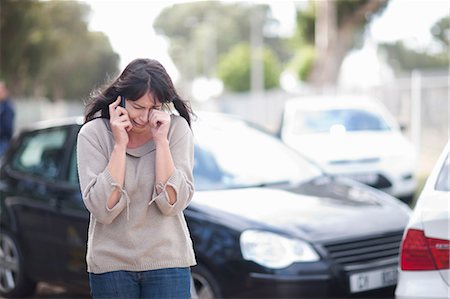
{"x": 264, "y": 221}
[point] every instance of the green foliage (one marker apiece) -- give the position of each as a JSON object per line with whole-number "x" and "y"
{"x": 346, "y": 10}
{"x": 234, "y": 68}
{"x": 272, "y": 69}
{"x": 47, "y": 49}
{"x": 201, "y": 32}
{"x": 303, "y": 61}
{"x": 304, "y": 32}
{"x": 404, "y": 59}
{"x": 441, "y": 31}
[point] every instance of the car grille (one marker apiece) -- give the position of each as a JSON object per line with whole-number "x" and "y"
{"x": 382, "y": 182}
{"x": 365, "y": 250}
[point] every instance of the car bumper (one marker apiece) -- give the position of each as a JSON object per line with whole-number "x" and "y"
{"x": 421, "y": 285}
{"x": 263, "y": 285}
{"x": 266, "y": 285}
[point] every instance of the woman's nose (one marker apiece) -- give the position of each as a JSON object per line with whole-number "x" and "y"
{"x": 144, "y": 115}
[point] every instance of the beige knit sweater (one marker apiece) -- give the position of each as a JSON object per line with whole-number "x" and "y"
{"x": 143, "y": 231}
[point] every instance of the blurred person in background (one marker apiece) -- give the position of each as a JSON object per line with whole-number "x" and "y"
{"x": 6, "y": 118}
{"x": 135, "y": 163}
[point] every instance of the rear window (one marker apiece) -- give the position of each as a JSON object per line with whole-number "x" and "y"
{"x": 443, "y": 181}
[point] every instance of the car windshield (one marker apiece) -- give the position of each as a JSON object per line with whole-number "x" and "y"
{"x": 319, "y": 121}
{"x": 231, "y": 154}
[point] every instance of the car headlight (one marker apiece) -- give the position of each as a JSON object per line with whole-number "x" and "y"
{"x": 274, "y": 251}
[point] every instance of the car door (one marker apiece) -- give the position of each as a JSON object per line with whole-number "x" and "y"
{"x": 33, "y": 177}
{"x": 68, "y": 223}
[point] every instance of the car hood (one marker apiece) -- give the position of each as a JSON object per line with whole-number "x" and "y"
{"x": 316, "y": 211}
{"x": 351, "y": 146}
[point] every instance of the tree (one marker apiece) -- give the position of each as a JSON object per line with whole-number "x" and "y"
{"x": 47, "y": 49}
{"x": 201, "y": 32}
{"x": 404, "y": 59}
{"x": 234, "y": 68}
{"x": 333, "y": 27}
{"x": 84, "y": 58}
{"x": 441, "y": 32}
{"x": 24, "y": 47}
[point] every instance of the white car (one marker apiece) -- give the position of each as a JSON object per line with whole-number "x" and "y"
{"x": 425, "y": 251}
{"x": 352, "y": 136}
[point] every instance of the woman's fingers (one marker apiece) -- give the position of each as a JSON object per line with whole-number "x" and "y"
{"x": 123, "y": 121}
{"x": 125, "y": 124}
{"x": 119, "y": 115}
{"x": 158, "y": 118}
{"x": 113, "y": 106}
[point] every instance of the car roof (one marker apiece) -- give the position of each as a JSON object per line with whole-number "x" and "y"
{"x": 50, "y": 123}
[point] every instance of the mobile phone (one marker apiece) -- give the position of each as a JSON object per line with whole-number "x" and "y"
{"x": 122, "y": 101}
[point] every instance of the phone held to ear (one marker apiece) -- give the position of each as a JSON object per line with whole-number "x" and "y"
{"x": 122, "y": 101}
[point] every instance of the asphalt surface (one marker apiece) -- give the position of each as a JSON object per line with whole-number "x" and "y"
{"x": 48, "y": 291}
{"x": 45, "y": 290}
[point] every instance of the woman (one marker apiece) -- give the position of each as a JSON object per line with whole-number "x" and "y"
{"x": 135, "y": 168}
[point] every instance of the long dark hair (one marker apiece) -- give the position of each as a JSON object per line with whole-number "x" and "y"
{"x": 139, "y": 77}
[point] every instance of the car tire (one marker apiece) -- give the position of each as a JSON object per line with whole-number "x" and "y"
{"x": 13, "y": 280}
{"x": 206, "y": 286}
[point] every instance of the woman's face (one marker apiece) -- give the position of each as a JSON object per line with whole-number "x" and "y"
{"x": 139, "y": 112}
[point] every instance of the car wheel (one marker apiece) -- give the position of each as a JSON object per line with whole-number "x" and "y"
{"x": 206, "y": 287}
{"x": 13, "y": 281}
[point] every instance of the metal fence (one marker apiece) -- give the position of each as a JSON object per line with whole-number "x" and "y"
{"x": 420, "y": 102}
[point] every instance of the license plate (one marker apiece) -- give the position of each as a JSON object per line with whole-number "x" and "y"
{"x": 370, "y": 280}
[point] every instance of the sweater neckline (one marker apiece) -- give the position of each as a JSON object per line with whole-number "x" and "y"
{"x": 139, "y": 151}
{"x": 142, "y": 150}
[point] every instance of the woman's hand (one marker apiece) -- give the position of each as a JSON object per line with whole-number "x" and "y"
{"x": 159, "y": 125}
{"x": 120, "y": 123}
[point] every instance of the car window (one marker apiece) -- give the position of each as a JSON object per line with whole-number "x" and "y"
{"x": 41, "y": 153}
{"x": 319, "y": 121}
{"x": 234, "y": 155}
{"x": 73, "y": 171}
{"x": 443, "y": 181}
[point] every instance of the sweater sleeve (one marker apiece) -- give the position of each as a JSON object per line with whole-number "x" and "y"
{"x": 96, "y": 182}
{"x": 181, "y": 179}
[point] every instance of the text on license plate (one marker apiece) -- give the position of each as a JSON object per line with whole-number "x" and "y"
{"x": 369, "y": 280}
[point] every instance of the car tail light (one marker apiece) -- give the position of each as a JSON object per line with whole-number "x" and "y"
{"x": 420, "y": 253}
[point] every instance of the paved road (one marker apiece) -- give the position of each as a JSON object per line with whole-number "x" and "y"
{"x": 48, "y": 291}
